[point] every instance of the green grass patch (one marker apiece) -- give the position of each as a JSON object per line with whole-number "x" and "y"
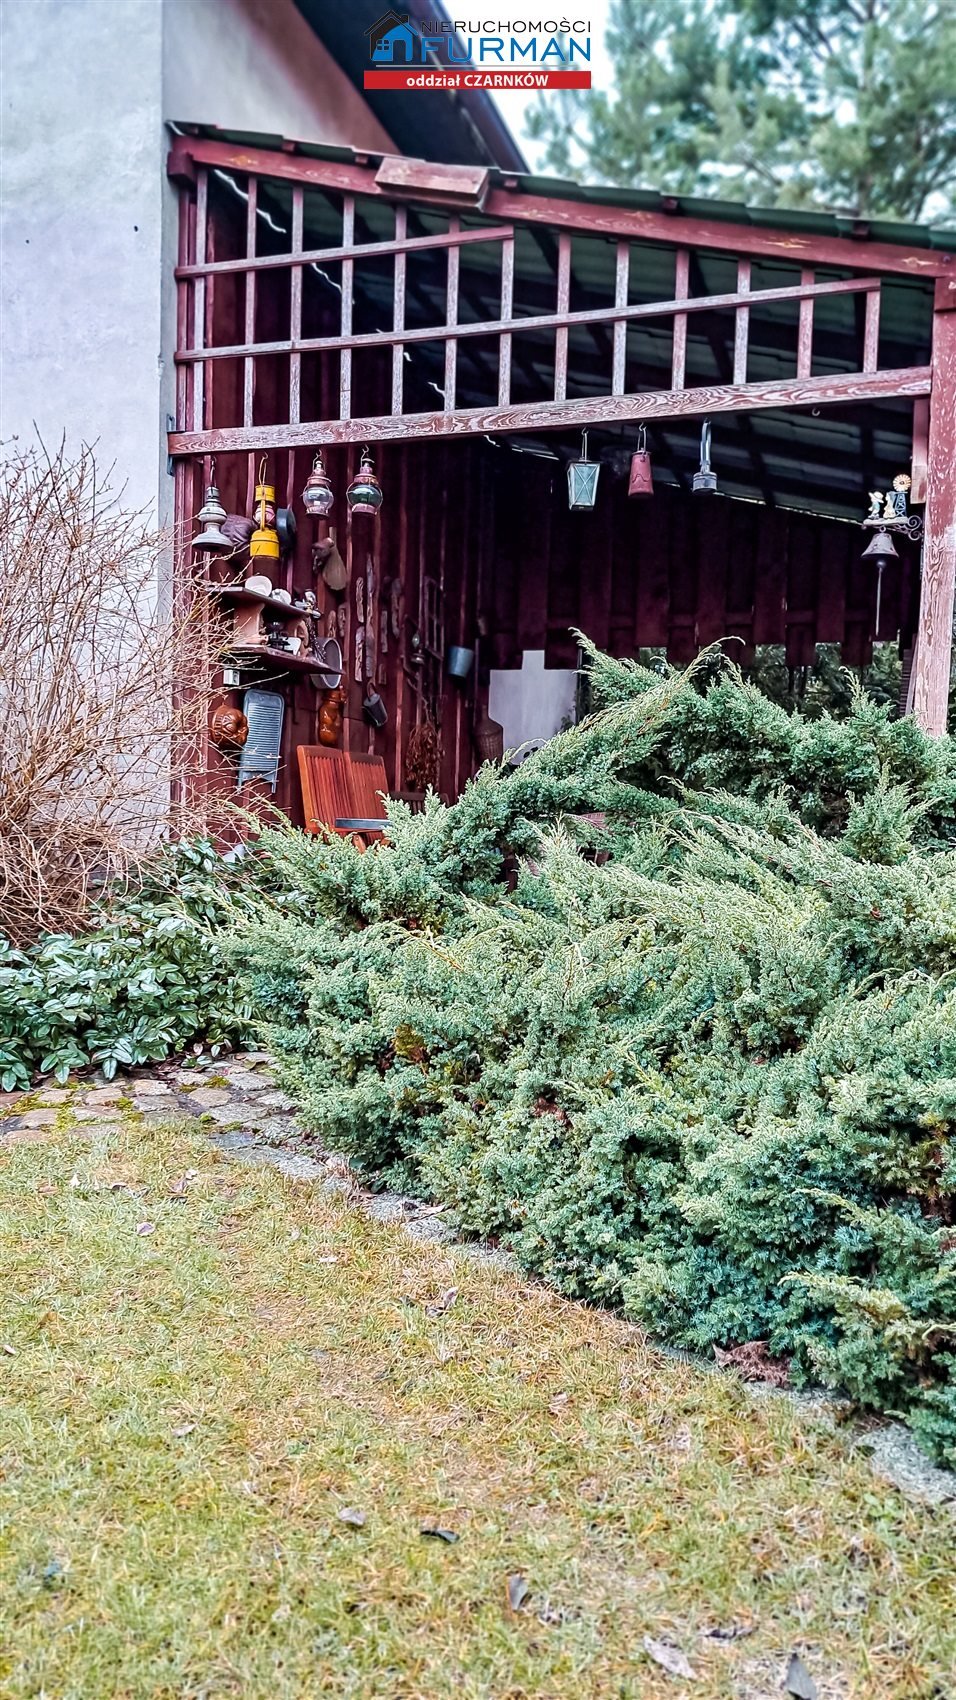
{"x": 189, "y": 1410}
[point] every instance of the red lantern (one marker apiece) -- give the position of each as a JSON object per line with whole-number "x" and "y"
{"x": 641, "y": 480}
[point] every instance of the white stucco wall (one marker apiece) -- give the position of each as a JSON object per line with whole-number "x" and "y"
{"x": 87, "y": 218}
{"x": 256, "y": 65}
{"x": 81, "y": 210}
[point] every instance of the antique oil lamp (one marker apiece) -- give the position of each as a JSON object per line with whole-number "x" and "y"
{"x": 364, "y": 494}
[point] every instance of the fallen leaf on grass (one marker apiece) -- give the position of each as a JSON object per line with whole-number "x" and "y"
{"x": 432, "y": 1531}
{"x": 352, "y": 1516}
{"x": 444, "y": 1303}
{"x": 798, "y": 1680}
{"x": 326, "y": 1260}
{"x": 670, "y": 1658}
{"x": 729, "y": 1631}
{"x": 753, "y": 1362}
{"x": 184, "y": 1429}
{"x": 557, "y": 1404}
{"x": 517, "y": 1591}
{"x": 146, "y": 1228}
{"x": 11, "y": 1351}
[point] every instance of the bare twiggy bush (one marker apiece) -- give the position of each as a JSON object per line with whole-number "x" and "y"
{"x": 104, "y": 692}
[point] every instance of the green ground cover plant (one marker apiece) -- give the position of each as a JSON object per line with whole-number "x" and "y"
{"x": 711, "y": 1080}
{"x": 146, "y": 979}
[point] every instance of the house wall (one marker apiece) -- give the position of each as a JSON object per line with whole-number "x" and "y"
{"x": 87, "y": 218}
{"x": 81, "y": 229}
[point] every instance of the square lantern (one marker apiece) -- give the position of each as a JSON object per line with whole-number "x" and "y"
{"x": 583, "y": 479}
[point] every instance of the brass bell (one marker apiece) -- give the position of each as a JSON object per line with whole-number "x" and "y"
{"x": 641, "y": 480}
{"x": 210, "y": 516}
{"x": 705, "y": 479}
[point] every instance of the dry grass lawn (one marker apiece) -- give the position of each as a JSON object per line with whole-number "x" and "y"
{"x": 189, "y": 1411}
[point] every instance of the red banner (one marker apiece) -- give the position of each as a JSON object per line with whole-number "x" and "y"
{"x": 430, "y": 78}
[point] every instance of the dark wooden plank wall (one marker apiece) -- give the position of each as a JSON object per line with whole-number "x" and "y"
{"x": 679, "y": 572}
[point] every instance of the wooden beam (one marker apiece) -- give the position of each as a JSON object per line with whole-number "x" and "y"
{"x": 346, "y": 341}
{"x": 567, "y": 415}
{"x": 295, "y": 309}
{"x": 398, "y": 312}
{"x": 451, "y": 320}
{"x": 507, "y": 312}
{"x": 918, "y": 469}
{"x": 583, "y": 319}
{"x": 562, "y": 305}
{"x": 934, "y": 641}
{"x": 625, "y": 223}
{"x": 805, "y": 329}
{"x": 350, "y": 251}
{"x": 621, "y": 284}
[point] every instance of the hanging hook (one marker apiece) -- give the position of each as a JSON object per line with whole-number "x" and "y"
{"x": 642, "y": 439}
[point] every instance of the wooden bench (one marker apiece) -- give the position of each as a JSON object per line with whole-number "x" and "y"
{"x": 339, "y": 786}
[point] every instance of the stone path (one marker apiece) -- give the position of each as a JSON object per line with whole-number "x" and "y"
{"x": 247, "y": 1116}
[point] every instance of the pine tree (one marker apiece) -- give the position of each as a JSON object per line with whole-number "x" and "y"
{"x": 844, "y": 104}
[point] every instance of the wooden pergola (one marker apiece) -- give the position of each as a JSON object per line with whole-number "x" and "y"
{"x": 336, "y": 299}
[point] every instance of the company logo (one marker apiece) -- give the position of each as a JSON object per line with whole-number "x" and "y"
{"x": 414, "y": 53}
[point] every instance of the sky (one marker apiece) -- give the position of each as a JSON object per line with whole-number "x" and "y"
{"x": 515, "y": 104}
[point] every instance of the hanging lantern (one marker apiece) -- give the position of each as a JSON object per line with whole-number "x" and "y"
{"x": 264, "y": 542}
{"x": 641, "y": 480}
{"x": 705, "y": 479}
{"x": 881, "y": 550}
{"x": 583, "y": 479}
{"x": 364, "y": 494}
{"x": 211, "y": 516}
{"x": 318, "y": 495}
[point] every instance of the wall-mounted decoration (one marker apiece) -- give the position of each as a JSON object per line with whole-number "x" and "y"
{"x": 583, "y": 479}
{"x": 329, "y": 653}
{"x": 383, "y": 632}
{"x": 889, "y": 510}
{"x": 341, "y": 621}
{"x": 238, "y": 529}
{"x": 265, "y": 712}
{"x": 396, "y": 605}
{"x": 286, "y": 529}
{"x": 330, "y": 717}
{"x": 360, "y": 601}
{"x": 489, "y": 736}
{"x": 705, "y": 479}
{"x": 228, "y": 727}
{"x": 880, "y": 551}
{"x": 459, "y": 661}
{"x": 423, "y": 758}
{"x": 326, "y": 558}
{"x": 264, "y": 542}
{"x": 374, "y": 709}
{"x": 359, "y": 670}
{"x": 364, "y": 494}
{"x": 211, "y": 516}
{"x": 318, "y": 495}
{"x": 641, "y": 478}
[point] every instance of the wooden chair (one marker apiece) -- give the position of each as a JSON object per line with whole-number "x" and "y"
{"x": 337, "y": 786}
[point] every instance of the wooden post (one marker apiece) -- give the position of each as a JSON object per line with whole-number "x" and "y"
{"x": 934, "y": 644}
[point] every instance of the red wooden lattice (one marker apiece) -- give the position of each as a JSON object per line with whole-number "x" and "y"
{"x": 199, "y": 271}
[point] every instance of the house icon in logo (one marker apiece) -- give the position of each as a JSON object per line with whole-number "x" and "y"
{"x": 393, "y": 37}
